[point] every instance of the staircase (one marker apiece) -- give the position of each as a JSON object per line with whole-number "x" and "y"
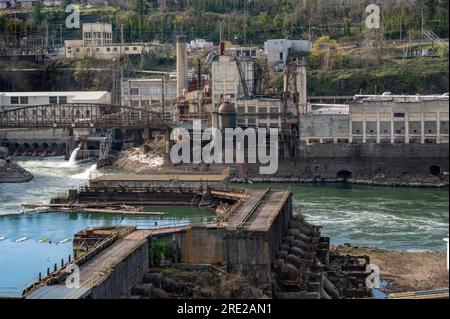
{"x": 431, "y": 36}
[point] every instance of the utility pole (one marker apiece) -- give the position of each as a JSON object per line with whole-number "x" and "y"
{"x": 163, "y": 95}
{"x": 121, "y": 39}
{"x": 245, "y": 22}
{"x": 61, "y": 35}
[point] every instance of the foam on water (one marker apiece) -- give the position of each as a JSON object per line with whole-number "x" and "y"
{"x": 52, "y": 176}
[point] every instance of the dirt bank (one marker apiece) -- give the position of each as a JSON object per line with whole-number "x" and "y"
{"x": 406, "y": 271}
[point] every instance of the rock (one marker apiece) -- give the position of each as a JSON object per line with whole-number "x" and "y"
{"x": 158, "y": 293}
{"x": 153, "y": 278}
{"x": 169, "y": 285}
{"x": 142, "y": 289}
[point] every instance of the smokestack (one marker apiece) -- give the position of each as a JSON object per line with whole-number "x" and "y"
{"x": 301, "y": 83}
{"x": 181, "y": 66}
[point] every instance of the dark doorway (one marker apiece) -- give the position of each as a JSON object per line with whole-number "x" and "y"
{"x": 345, "y": 175}
{"x": 435, "y": 170}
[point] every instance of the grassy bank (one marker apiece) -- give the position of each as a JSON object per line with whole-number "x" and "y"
{"x": 423, "y": 75}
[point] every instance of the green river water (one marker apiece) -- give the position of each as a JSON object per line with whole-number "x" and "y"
{"x": 396, "y": 218}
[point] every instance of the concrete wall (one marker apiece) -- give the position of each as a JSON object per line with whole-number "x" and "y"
{"x": 124, "y": 276}
{"x": 322, "y": 127}
{"x": 378, "y": 164}
{"x": 226, "y": 80}
{"x": 203, "y": 246}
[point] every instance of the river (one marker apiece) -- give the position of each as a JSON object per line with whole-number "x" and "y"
{"x": 395, "y": 218}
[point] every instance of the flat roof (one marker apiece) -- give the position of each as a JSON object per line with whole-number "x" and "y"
{"x": 400, "y": 98}
{"x": 79, "y": 95}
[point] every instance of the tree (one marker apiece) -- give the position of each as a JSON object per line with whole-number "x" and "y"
{"x": 37, "y": 15}
{"x": 326, "y": 53}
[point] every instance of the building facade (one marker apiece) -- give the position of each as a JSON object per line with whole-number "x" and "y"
{"x": 97, "y": 42}
{"x": 277, "y": 50}
{"x": 228, "y": 75}
{"x": 148, "y": 93}
{"x": 12, "y": 100}
{"x": 325, "y": 125}
{"x": 399, "y": 119}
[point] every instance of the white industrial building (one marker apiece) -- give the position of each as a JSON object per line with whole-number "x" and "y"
{"x": 228, "y": 75}
{"x": 148, "y": 93}
{"x": 97, "y": 41}
{"x": 12, "y": 100}
{"x": 201, "y": 45}
{"x": 399, "y": 119}
{"x": 277, "y": 50}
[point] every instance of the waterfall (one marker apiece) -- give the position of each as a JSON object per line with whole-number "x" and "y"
{"x": 86, "y": 174}
{"x": 73, "y": 156}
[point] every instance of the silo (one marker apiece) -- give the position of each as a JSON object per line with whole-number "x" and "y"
{"x": 227, "y": 116}
{"x": 181, "y": 66}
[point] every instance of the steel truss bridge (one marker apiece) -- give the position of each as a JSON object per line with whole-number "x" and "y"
{"x": 82, "y": 116}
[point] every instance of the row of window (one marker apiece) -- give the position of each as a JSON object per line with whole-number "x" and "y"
{"x": 19, "y": 100}
{"x": 260, "y": 110}
{"x": 97, "y": 35}
{"x": 43, "y": 112}
{"x": 108, "y": 49}
{"x": 152, "y": 91}
{"x": 51, "y": 100}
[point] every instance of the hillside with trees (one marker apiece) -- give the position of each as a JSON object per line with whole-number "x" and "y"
{"x": 346, "y": 56}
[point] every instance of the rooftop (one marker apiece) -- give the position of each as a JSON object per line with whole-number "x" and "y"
{"x": 79, "y": 95}
{"x": 387, "y": 97}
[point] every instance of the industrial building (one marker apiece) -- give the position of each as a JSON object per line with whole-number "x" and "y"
{"x": 12, "y": 100}
{"x": 277, "y": 50}
{"x": 148, "y": 93}
{"x": 325, "y": 124}
{"x": 97, "y": 41}
{"x": 399, "y": 119}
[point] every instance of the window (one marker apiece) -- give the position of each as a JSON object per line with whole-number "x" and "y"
{"x": 108, "y": 49}
{"x": 145, "y": 103}
{"x": 398, "y": 115}
{"x": 134, "y": 48}
{"x": 127, "y": 48}
{"x": 115, "y": 49}
{"x": 134, "y": 91}
{"x": 97, "y": 49}
{"x": 24, "y": 100}
{"x": 63, "y": 100}
{"x": 281, "y": 56}
{"x": 262, "y": 113}
{"x": 53, "y": 99}
{"x": 145, "y": 91}
{"x": 77, "y": 50}
{"x": 14, "y": 100}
